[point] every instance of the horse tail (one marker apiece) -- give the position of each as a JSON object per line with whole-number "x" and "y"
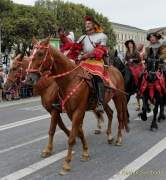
{"x": 124, "y": 112}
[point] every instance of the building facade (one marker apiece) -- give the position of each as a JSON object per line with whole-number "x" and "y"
{"x": 125, "y": 32}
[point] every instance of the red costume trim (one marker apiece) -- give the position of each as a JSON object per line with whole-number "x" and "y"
{"x": 158, "y": 85}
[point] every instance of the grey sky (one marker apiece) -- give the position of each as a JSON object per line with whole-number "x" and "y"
{"x": 145, "y": 14}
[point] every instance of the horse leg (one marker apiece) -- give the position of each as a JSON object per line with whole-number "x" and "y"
{"x": 161, "y": 115}
{"x": 109, "y": 113}
{"x": 154, "y": 125}
{"x": 121, "y": 107}
{"x": 138, "y": 105}
{"x": 100, "y": 121}
{"x": 47, "y": 151}
{"x": 128, "y": 99}
{"x": 143, "y": 114}
{"x": 77, "y": 119}
{"x": 85, "y": 154}
{"x": 62, "y": 126}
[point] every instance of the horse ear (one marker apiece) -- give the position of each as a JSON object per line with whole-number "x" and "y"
{"x": 22, "y": 55}
{"x": 34, "y": 40}
{"x": 116, "y": 53}
{"x": 47, "y": 40}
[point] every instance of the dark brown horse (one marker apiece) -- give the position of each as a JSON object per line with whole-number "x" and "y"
{"x": 74, "y": 92}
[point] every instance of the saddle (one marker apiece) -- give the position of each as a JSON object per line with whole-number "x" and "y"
{"x": 92, "y": 101}
{"x": 89, "y": 78}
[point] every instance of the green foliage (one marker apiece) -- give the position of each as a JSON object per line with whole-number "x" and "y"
{"x": 19, "y": 22}
{"x": 71, "y": 17}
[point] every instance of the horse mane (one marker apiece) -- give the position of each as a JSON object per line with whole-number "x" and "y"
{"x": 62, "y": 58}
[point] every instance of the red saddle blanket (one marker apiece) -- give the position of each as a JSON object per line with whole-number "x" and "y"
{"x": 96, "y": 68}
{"x": 158, "y": 85}
{"x": 136, "y": 70}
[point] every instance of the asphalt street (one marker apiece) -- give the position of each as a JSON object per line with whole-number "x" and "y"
{"x": 23, "y": 134}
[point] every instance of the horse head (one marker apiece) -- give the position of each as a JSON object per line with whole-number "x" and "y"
{"x": 41, "y": 60}
{"x": 17, "y": 71}
{"x": 46, "y": 59}
{"x": 152, "y": 64}
{"x": 117, "y": 62}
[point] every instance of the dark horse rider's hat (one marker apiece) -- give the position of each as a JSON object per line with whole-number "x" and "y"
{"x": 97, "y": 25}
{"x": 157, "y": 35}
{"x": 129, "y": 41}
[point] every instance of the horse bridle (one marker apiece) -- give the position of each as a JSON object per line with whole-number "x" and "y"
{"x": 18, "y": 75}
{"x": 48, "y": 52}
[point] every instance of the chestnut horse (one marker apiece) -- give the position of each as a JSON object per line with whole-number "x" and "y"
{"x": 48, "y": 90}
{"x": 74, "y": 92}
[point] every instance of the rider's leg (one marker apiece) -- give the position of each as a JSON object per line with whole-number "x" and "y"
{"x": 100, "y": 93}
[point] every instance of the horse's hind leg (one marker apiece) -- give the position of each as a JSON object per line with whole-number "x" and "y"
{"x": 154, "y": 125}
{"x": 161, "y": 115}
{"x": 121, "y": 107}
{"x": 47, "y": 151}
{"x": 109, "y": 113}
{"x": 100, "y": 122}
{"x": 143, "y": 114}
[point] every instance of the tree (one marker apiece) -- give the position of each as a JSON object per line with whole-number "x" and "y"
{"x": 70, "y": 16}
{"x": 20, "y": 22}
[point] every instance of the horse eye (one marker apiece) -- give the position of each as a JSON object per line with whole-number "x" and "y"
{"x": 13, "y": 69}
{"x": 39, "y": 54}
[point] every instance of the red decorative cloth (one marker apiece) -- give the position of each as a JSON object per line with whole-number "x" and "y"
{"x": 96, "y": 68}
{"x": 136, "y": 70}
{"x": 67, "y": 43}
{"x": 158, "y": 85}
{"x": 74, "y": 51}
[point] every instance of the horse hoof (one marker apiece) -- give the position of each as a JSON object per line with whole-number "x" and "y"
{"x": 46, "y": 154}
{"x": 117, "y": 143}
{"x": 110, "y": 141}
{"x": 143, "y": 117}
{"x": 97, "y": 131}
{"x": 161, "y": 118}
{"x": 148, "y": 110}
{"x": 64, "y": 172}
{"x": 84, "y": 158}
{"x": 128, "y": 129}
{"x": 154, "y": 128}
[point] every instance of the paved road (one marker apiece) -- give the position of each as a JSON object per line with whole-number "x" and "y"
{"x": 23, "y": 134}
